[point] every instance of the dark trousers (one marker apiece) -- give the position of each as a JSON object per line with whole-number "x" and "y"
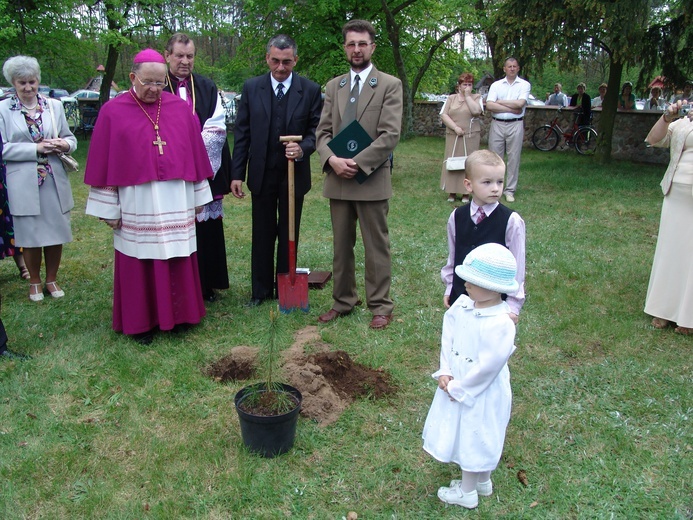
{"x": 211, "y": 256}
{"x": 270, "y": 212}
{"x": 3, "y": 337}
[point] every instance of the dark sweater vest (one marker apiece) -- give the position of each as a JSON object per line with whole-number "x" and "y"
{"x": 275, "y": 164}
{"x": 469, "y": 235}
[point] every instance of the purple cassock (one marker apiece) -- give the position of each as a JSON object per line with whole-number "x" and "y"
{"x": 148, "y": 166}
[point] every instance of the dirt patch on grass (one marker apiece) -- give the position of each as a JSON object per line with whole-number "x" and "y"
{"x": 329, "y": 381}
{"x": 239, "y": 364}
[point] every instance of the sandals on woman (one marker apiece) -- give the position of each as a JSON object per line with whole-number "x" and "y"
{"x": 35, "y": 292}
{"x": 660, "y": 323}
{"x": 23, "y": 272}
{"x": 56, "y": 291}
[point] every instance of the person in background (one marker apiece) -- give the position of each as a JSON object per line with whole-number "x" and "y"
{"x": 469, "y": 415}
{"x": 460, "y": 116}
{"x": 5, "y": 353}
{"x": 7, "y": 244}
{"x": 686, "y": 95}
{"x": 203, "y": 99}
{"x": 272, "y": 105}
{"x": 598, "y": 101}
{"x": 374, "y": 99}
{"x": 669, "y": 297}
{"x": 147, "y": 170}
{"x": 558, "y": 98}
{"x": 38, "y": 187}
{"x": 626, "y": 100}
{"x": 583, "y": 105}
{"x": 655, "y": 102}
{"x": 507, "y": 99}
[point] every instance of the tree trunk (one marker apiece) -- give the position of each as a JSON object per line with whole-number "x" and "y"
{"x": 114, "y": 27}
{"x": 109, "y": 74}
{"x": 393, "y": 36}
{"x": 609, "y": 109}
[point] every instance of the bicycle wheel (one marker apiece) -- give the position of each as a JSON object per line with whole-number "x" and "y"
{"x": 72, "y": 116}
{"x": 545, "y": 138}
{"x": 585, "y": 140}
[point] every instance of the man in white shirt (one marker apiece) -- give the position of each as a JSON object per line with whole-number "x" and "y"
{"x": 507, "y": 99}
{"x": 598, "y": 101}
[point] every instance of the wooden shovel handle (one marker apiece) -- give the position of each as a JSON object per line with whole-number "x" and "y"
{"x": 290, "y": 138}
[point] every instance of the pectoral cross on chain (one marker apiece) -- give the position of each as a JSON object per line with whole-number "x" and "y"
{"x": 159, "y": 142}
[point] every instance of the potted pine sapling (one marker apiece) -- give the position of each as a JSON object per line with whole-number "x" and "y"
{"x": 268, "y": 411}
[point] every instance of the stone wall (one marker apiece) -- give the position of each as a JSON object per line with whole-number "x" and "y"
{"x": 629, "y": 131}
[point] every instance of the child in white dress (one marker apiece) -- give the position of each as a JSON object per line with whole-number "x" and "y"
{"x": 471, "y": 407}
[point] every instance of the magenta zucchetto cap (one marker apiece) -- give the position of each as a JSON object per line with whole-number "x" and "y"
{"x": 148, "y": 56}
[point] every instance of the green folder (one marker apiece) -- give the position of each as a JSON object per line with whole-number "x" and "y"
{"x": 352, "y": 140}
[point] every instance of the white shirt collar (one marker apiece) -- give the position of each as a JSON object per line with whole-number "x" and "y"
{"x": 286, "y": 83}
{"x": 362, "y": 77}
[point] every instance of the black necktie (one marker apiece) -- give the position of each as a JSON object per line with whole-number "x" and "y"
{"x": 280, "y": 91}
{"x": 350, "y": 110}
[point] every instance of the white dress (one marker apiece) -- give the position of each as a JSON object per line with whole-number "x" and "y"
{"x": 475, "y": 348}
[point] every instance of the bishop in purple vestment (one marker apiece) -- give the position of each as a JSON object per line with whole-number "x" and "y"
{"x": 148, "y": 169}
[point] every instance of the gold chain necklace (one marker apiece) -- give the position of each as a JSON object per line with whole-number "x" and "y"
{"x": 192, "y": 88}
{"x": 158, "y": 141}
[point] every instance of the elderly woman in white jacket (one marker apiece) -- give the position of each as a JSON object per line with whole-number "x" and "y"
{"x": 670, "y": 292}
{"x": 34, "y": 130}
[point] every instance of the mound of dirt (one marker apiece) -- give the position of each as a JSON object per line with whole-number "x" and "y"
{"x": 329, "y": 381}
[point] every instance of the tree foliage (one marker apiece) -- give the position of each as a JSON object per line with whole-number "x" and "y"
{"x": 539, "y": 30}
{"x": 417, "y": 41}
{"x": 667, "y": 44}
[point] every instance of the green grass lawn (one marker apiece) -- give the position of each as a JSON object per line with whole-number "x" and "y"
{"x": 97, "y": 426}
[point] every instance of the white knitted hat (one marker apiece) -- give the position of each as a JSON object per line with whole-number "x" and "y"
{"x": 491, "y": 266}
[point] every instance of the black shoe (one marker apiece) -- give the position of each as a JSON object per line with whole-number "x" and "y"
{"x": 182, "y": 328}
{"x": 254, "y": 302}
{"x": 14, "y": 356}
{"x": 143, "y": 338}
{"x": 209, "y": 297}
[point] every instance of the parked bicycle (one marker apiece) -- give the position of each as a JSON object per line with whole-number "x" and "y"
{"x": 547, "y": 137}
{"x": 72, "y": 115}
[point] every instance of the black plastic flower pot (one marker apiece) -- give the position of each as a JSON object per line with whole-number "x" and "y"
{"x": 267, "y": 435}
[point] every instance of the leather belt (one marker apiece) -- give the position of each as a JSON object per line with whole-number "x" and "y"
{"x": 508, "y": 120}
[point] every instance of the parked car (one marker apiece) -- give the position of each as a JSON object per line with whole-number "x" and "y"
{"x": 534, "y": 101}
{"x": 90, "y": 95}
{"x": 58, "y": 93}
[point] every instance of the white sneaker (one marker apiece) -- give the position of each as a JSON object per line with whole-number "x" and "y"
{"x": 484, "y": 489}
{"x": 509, "y": 197}
{"x": 454, "y": 495}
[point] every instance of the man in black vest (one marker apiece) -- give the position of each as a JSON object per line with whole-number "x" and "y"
{"x": 272, "y": 105}
{"x": 484, "y": 220}
{"x": 202, "y": 97}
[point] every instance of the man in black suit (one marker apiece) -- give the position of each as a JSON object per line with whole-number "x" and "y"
{"x": 272, "y": 105}
{"x": 202, "y": 97}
